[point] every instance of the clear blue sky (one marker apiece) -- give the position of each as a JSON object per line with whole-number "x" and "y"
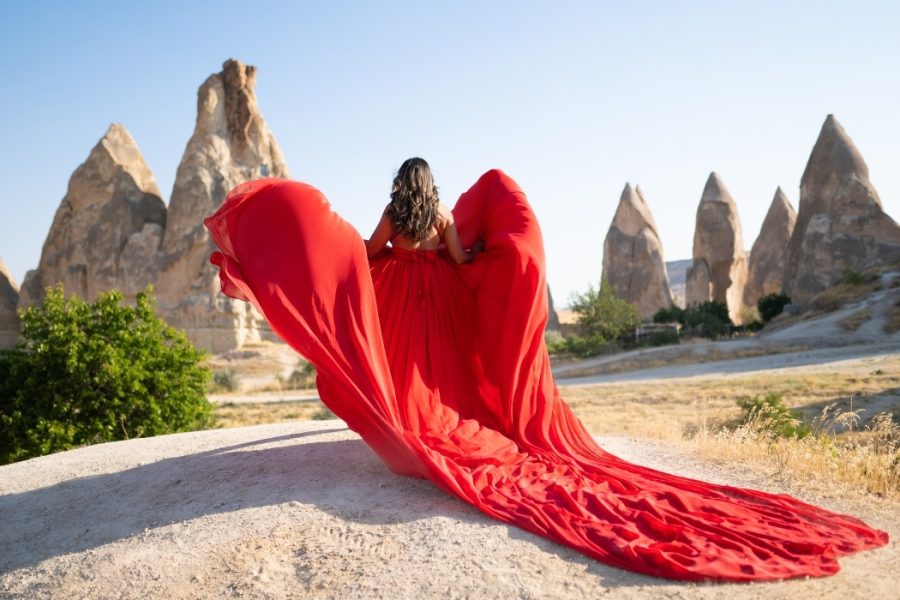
{"x": 571, "y": 99}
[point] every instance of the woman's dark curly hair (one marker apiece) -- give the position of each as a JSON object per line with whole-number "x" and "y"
{"x": 414, "y": 200}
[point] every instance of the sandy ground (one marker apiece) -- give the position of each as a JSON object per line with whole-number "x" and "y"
{"x": 304, "y": 509}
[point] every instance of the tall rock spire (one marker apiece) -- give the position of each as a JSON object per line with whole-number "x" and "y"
{"x": 719, "y": 269}
{"x": 769, "y": 253}
{"x": 111, "y": 203}
{"x": 231, "y": 144}
{"x": 633, "y": 256}
{"x": 840, "y": 222}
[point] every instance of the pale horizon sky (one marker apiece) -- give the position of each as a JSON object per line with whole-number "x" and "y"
{"x": 572, "y": 99}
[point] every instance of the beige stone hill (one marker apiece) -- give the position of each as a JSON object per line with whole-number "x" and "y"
{"x": 769, "y": 253}
{"x": 9, "y": 300}
{"x": 107, "y": 228}
{"x": 841, "y": 224}
{"x": 112, "y": 229}
{"x": 719, "y": 268}
{"x": 633, "y": 260}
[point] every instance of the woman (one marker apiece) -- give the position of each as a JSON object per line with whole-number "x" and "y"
{"x": 415, "y": 219}
{"x": 442, "y": 369}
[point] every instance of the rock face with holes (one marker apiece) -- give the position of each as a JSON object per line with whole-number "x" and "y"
{"x": 9, "y": 300}
{"x": 231, "y": 144}
{"x": 719, "y": 268}
{"x": 96, "y": 242}
{"x": 633, "y": 260}
{"x": 768, "y": 256}
{"x": 841, "y": 225}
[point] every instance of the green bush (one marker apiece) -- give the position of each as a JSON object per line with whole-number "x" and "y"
{"x": 768, "y": 414}
{"x": 224, "y": 381}
{"x": 663, "y": 338}
{"x": 673, "y": 314}
{"x": 88, "y": 373}
{"x": 709, "y": 319}
{"x": 771, "y": 305}
{"x": 601, "y": 315}
{"x": 303, "y": 376}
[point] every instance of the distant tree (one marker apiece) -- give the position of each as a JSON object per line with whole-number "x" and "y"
{"x": 87, "y": 373}
{"x": 602, "y": 315}
{"x": 771, "y": 305}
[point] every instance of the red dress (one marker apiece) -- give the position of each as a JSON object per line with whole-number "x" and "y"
{"x": 443, "y": 371}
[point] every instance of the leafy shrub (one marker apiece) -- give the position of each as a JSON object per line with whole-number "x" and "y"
{"x": 583, "y": 347}
{"x": 601, "y": 315}
{"x": 303, "y": 376}
{"x": 771, "y": 305}
{"x": 853, "y": 278}
{"x": 663, "y": 338}
{"x": 88, "y": 373}
{"x": 768, "y": 414}
{"x": 673, "y": 314}
{"x": 709, "y": 319}
{"x": 224, "y": 381}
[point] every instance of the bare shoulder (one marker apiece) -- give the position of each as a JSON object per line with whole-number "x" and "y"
{"x": 445, "y": 215}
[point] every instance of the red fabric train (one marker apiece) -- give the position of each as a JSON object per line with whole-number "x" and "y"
{"x": 443, "y": 371}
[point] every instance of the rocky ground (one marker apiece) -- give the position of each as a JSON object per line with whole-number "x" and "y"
{"x": 305, "y": 510}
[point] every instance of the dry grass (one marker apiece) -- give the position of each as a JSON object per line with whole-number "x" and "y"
{"x": 853, "y": 322}
{"x": 258, "y": 413}
{"x": 852, "y": 449}
{"x": 861, "y": 460}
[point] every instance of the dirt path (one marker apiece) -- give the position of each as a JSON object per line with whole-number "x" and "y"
{"x": 304, "y": 509}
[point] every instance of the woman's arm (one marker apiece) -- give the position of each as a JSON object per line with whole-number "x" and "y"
{"x": 451, "y": 238}
{"x": 383, "y": 233}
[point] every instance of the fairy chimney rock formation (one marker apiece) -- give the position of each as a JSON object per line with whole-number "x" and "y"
{"x": 9, "y": 300}
{"x": 719, "y": 269}
{"x": 769, "y": 253}
{"x": 231, "y": 144}
{"x": 552, "y": 315}
{"x": 112, "y": 204}
{"x": 633, "y": 256}
{"x": 841, "y": 225}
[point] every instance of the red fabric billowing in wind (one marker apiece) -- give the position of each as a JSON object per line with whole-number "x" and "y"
{"x": 442, "y": 370}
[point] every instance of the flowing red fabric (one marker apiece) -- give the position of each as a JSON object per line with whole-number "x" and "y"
{"x": 443, "y": 371}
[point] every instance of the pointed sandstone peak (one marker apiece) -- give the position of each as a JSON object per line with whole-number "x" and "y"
{"x": 835, "y": 155}
{"x": 719, "y": 270}
{"x": 633, "y": 214}
{"x": 841, "y": 225}
{"x": 769, "y": 252}
{"x": 110, "y": 197}
{"x": 231, "y": 144}
{"x": 633, "y": 260}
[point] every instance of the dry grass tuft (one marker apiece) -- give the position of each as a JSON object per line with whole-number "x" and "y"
{"x": 853, "y": 322}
